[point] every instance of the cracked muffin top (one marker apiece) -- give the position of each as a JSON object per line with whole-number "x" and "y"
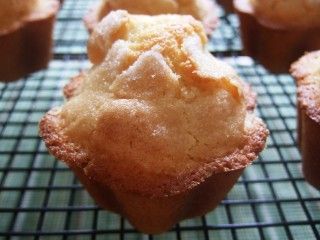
{"x": 157, "y": 113}
{"x": 288, "y": 13}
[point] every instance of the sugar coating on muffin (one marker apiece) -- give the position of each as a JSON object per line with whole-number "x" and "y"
{"x": 312, "y": 67}
{"x": 288, "y": 13}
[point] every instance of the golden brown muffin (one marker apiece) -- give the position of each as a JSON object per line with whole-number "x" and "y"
{"x": 277, "y": 32}
{"x": 306, "y": 71}
{"x": 25, "y": 36}
{"x": 203, "y": 10}
{"x": 158, "y": 130}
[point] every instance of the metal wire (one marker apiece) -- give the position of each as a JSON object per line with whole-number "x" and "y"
{"x": 40, "y": 197}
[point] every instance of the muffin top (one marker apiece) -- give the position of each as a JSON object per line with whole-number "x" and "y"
{"x": 157, "y": 113}
{"x": 197, "y": 8}
{"x": 307, "y": 73}
{"x": 288, "y": 13}
{"x": 155, "y": 94}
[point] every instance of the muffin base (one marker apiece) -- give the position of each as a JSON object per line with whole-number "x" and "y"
{"x": 156, "y": 215}
{"x": 26, "y": 47}
{"x": 309, "y": 139}
{"x": 276, "y": 49}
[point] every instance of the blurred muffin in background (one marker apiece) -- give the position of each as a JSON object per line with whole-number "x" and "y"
{"x": 25, "y": 36}
{"x": 277, "y": 32}
{"x": 203, "y": 10}
{"x": 227, "y": 5}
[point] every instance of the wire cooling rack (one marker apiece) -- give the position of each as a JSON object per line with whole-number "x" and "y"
{"x": 41, "y": 199}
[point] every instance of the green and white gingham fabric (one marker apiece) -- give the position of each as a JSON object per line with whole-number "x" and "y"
{"x": 41, "y": 199}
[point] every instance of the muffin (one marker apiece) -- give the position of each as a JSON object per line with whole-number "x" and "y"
{"x": 158, "y": 130}
{"x": 227, "y": 5}
{"x": 203, "y": 10}
{"x": 25, "y": 36}
{"x": 306, "y": 71}
{"x": 277, "y": 32}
